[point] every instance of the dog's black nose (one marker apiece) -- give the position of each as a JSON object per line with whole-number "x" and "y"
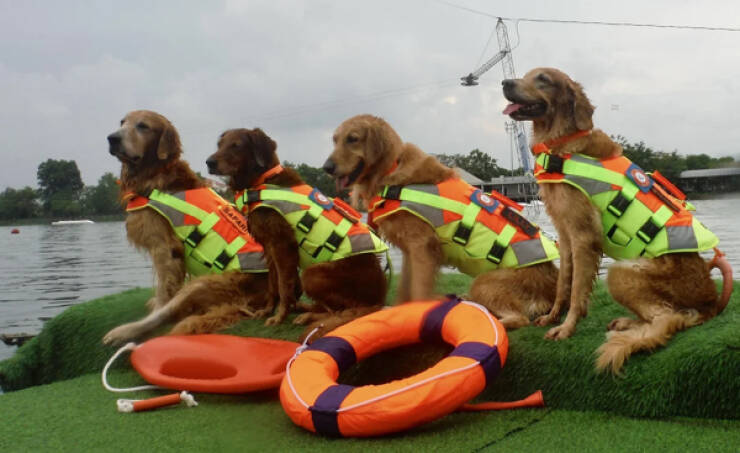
{"x": 508, "y": 83}
{"x": 329, "y": 166}
{"x": 211, "y": 162}
{"x": 114, "y": 138}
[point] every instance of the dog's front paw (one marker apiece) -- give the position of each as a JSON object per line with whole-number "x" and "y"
{"x": 259, "y": 314}
{"x": 303, "y": 319}
{"x": 117, "y": 336}
{"x": 274, "y": 320}
{"x": 560, "y": 332}
{"x": 545, "y": 320}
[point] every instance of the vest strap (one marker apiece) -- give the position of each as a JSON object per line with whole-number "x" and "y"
{"x": 648, "y": 231}
{"x": 194, "y": 238}
{"x": 462, "y": 234}
{"x": 618, "y": 205}
{"x": 228, "y": 253}
{"x": 496, "y": 254}
{"x": 553, "y": 164}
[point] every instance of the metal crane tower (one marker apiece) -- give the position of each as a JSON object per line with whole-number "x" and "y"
{"x": 515, "y": 128}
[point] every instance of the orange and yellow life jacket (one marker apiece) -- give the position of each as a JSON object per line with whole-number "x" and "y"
{"x": 478, "y": 232}
{"x": 214, "y": 233}
{"x": 642, "y": 214}
{"x": 325, "y": 229}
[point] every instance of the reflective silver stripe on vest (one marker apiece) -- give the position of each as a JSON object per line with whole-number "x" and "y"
{"x": 528, "y": 251}
{"x": 434, "y": 215}
{"x": 591, "y": 186}
{"x": 252, "y": 261}
{"x": 681, "y": 237}
{"x": 286, "y": 207}
{"x": 361, "y": 243}
{"x": 176, "y": 217}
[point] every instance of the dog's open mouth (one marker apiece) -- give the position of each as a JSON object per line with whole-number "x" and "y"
{"x": 343, "y": 182}
{"x": 525, "y": 111}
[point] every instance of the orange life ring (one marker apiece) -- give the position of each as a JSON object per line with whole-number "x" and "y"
{"x": 213, "y": 363}
{"x": 312, "y": 398}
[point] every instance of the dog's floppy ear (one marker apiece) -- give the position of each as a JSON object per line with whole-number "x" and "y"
{"x": 169, "y": 143}
{"x": 263, "y": 147}
{"x": 582, "y": 108}
{"x": 381, "y": 141}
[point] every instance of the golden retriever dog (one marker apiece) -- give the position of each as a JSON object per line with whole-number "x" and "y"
{"x": 148, "y": 147}
{"x": 368, "y": 155}
{"x": 668, "y": 293}
{"x": 342, "y": 289}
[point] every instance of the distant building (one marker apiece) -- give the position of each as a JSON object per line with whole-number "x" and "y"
{"x": 711, "y": 180}
{"x": 518, "y": 188}
{"x": 469, "y": 178}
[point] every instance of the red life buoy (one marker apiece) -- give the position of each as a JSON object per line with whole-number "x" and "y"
{"x": 213, "y": 363}
{"x": 312, "y": 398}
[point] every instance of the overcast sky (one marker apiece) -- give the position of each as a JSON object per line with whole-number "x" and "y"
{"x": 70, "y": 70}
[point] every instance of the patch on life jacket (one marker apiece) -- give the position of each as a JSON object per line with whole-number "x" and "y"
{"x": 233, "y": 217}
{"x": 639, "y": 177}
{"x": 484, "y": 201}
{"x": 518, "y": 220}
{"x": 322, "y": 200}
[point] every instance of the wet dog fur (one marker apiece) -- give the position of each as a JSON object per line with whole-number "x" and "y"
{"x": 149, "y": 149}
{"x": 365, "y": 150}
{"x": 669, "y": 293}
{"x": 342, "y": 290}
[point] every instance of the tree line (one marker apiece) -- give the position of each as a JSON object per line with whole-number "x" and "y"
{"x": 62, "y": 194}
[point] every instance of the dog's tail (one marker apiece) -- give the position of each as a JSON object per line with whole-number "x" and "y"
{"x": 720, "y": 262}
{"x": 619, "y": 346}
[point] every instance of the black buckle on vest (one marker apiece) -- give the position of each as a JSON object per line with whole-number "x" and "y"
{"x": 648, "y": 231}
{"x": 252, "y": 196}
{"x": 554, "y": 164}
{"x": 462, "y": 234}
{"x": 194, "y": 238}
{"x": 496, "y": 254}
{"x": 333, "y": 242}
{"x": 306, "y": 222}
{"x": 519, "y": 221}
{"x": 618, "y": 205}
{"x": 392, "y": 192}
{"x": 222, "y": 260}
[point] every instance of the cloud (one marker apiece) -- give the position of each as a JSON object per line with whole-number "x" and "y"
{"x": 298, "y": 69}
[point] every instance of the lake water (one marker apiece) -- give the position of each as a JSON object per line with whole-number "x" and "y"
{"x": 45, "y": 268}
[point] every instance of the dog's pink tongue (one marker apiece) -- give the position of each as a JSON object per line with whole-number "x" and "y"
{"x": 341, "y": 183}
{"x": 511, "y": 108}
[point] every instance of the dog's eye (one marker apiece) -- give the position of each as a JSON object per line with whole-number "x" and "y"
{"x": 352, "y": 139}
{"x": 142, "y": 126}
{"x": 543, "y": 78}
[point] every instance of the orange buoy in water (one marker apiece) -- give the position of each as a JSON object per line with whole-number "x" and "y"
{"x": 15, "y": 231}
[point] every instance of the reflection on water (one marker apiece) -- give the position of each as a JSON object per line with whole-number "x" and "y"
{"x": 47, "y": 268}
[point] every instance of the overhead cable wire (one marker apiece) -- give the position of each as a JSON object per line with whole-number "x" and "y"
{"x": 590, "y": 22}
{"x": 355, "y": 100}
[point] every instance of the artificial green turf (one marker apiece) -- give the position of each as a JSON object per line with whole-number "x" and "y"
{"x": 78, "y": 415}
{"x": 695, "y": 376}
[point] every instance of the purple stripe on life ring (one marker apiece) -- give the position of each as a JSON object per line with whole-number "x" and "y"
{"x": 431, "y": 328}
{"x": 324, "y": 411}
{"x": 338, "y": 348}
{"x": 488, "y": 356}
